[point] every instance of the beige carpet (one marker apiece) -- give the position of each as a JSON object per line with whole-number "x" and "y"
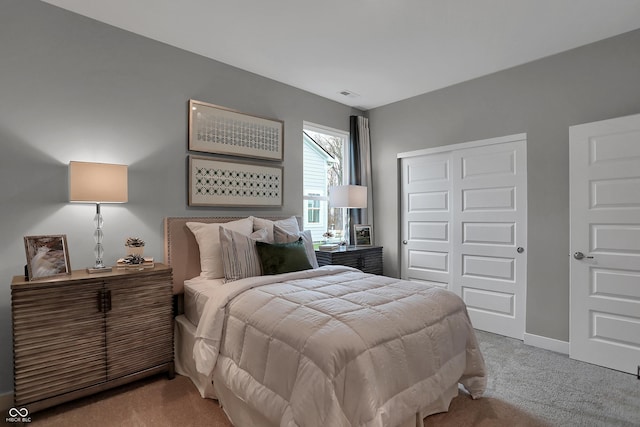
{"x": 153, "y": 402}
{"x": 159, "y": 402}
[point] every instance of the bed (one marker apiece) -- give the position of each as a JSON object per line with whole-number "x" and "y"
{"x": 315, "y": 346}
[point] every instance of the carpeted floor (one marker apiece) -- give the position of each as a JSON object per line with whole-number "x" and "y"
{"x": 562, "y": 391}
{"x": 527, "y": 387}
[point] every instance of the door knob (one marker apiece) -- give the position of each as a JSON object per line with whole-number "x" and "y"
{"x": 580, "y": 255}
{"x": 520, "y": 249}
{"x": 404, "y": 242}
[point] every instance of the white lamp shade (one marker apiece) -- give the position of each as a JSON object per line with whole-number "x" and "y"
{"x": 348, "y": 196}
{"x": 97, "y": 183}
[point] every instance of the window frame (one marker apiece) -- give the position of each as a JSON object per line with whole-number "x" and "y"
{"x": 344, "y": 135}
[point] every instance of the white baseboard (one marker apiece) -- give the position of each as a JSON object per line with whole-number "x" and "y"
{"x": 547, "y": 343}
{"x": 6, "y": 402}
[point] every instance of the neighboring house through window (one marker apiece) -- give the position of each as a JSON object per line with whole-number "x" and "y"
{"x": 313, "y": 209}
{"x": 323, "y": 167}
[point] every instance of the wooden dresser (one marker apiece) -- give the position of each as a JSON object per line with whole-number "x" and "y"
{"x": 365, "y": 258}
{"x": 82, "y": 333}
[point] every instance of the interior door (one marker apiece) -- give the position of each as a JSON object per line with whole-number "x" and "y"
{"x": 464, "y": 227}
{"x": 605, "y": 243}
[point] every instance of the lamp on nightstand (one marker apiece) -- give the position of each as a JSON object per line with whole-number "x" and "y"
{"x": 350, "y": 197}
{"x": 97, "y": 183}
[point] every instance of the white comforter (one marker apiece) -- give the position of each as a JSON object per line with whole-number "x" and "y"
{"x": 337, "y": 347}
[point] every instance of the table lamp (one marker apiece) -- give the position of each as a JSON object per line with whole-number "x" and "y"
{"x": 97, "y": 183}
{"x": 348, "y": 196}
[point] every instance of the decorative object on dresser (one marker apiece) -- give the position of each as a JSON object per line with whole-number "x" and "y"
{"x": 363, "y": 234}
{"x": 349, "y": 197}
{"x": 214, "y": 182}
{"x": 135, "y": 262}
{"x": 365, "y": 258}
{"x": 84, "y": 333}
{"x": 329, "y": 247}
{"x": 47, "y": 256}
{"x": 135, "y": 246}
{"x": 98, "y": 183}
{"x": 220, "y": 130}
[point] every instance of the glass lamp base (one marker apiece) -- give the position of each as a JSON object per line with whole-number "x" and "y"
{"x": 98, "y": 250}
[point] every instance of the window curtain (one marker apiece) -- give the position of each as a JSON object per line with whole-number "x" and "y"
{"x": 360, "y": 169}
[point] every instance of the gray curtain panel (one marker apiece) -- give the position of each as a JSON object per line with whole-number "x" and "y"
{"x": 360, "y": 169}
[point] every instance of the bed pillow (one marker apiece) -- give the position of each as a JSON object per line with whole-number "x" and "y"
{"x": 239, "y": 255}
{"x": 279, "y": 258}
{"x": 281, "y": 235}
{"x": 289, "y": 224}
{"x": 208, "y": 238}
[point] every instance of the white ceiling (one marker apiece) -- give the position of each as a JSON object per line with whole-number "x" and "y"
{"x": 382, "y": 50}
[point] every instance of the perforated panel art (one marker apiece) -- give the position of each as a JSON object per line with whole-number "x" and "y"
{"x": 214, "y": 182}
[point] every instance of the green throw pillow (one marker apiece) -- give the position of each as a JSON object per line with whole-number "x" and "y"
{"x": 279, "y": 258}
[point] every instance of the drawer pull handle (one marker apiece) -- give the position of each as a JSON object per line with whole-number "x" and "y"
{"x": 104, "y": 301}
{"x": 108, "y": 301}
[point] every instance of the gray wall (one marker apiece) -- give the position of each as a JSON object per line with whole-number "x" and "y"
{"x": 75, "y": 89}
{"x": 542, "y": 98}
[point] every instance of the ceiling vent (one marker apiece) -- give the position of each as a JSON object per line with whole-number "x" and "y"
{"x": 348, "y": 93}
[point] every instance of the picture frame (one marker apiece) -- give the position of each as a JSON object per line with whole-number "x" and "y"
{"x": 47, "y": 256}
{"x": 230, "y": 183}
{"x": 363, "y": 234}
{"x": 219, "y": 130}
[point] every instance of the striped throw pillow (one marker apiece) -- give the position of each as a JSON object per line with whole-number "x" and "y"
{"x": 239, "y": 255}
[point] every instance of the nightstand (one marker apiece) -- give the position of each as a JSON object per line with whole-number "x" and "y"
{"x": 79, "y": 334}
{"x": 365, "y": 258}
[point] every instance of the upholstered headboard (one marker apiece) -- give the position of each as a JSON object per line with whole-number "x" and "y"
{"x": 181, "y": 249}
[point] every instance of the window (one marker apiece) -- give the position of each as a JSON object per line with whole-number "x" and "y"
{"x": 313, "y": 209}
{"x": 324, "y": 165}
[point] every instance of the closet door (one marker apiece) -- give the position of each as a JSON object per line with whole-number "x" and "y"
{"x": 490, "y": 235}
{"x": 463, "y": 213}
{"x": 426, "y": 219}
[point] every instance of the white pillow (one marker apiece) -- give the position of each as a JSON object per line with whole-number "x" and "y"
{"x": 239, "y": 254}
{"x": 283, "y": 236}
{"x": 289, "y": 224}
{"x": 208, "y": 238}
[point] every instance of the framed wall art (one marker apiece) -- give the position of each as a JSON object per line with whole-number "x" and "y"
{"x": 215, "y": 182}
{"x": 363, "y": 234}
{"x": 220, "y": 130}
{"x": 47, "y": 256}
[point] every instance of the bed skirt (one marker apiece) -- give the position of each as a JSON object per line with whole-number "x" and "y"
{"x": 236, "y": 410}
{"x": 241, "y": 415}
{"x": 184, "y": 338}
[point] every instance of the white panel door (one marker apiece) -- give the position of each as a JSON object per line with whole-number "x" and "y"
{"x": 426, "y": 224}
{"x": 490, "y": 235}
{"x": 463, "y": 216}
{"x": 605, "y": 243}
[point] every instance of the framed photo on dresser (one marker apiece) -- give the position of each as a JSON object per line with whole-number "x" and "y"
{"x": 47, "y": 256}
{"x": 363, "y": 234}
